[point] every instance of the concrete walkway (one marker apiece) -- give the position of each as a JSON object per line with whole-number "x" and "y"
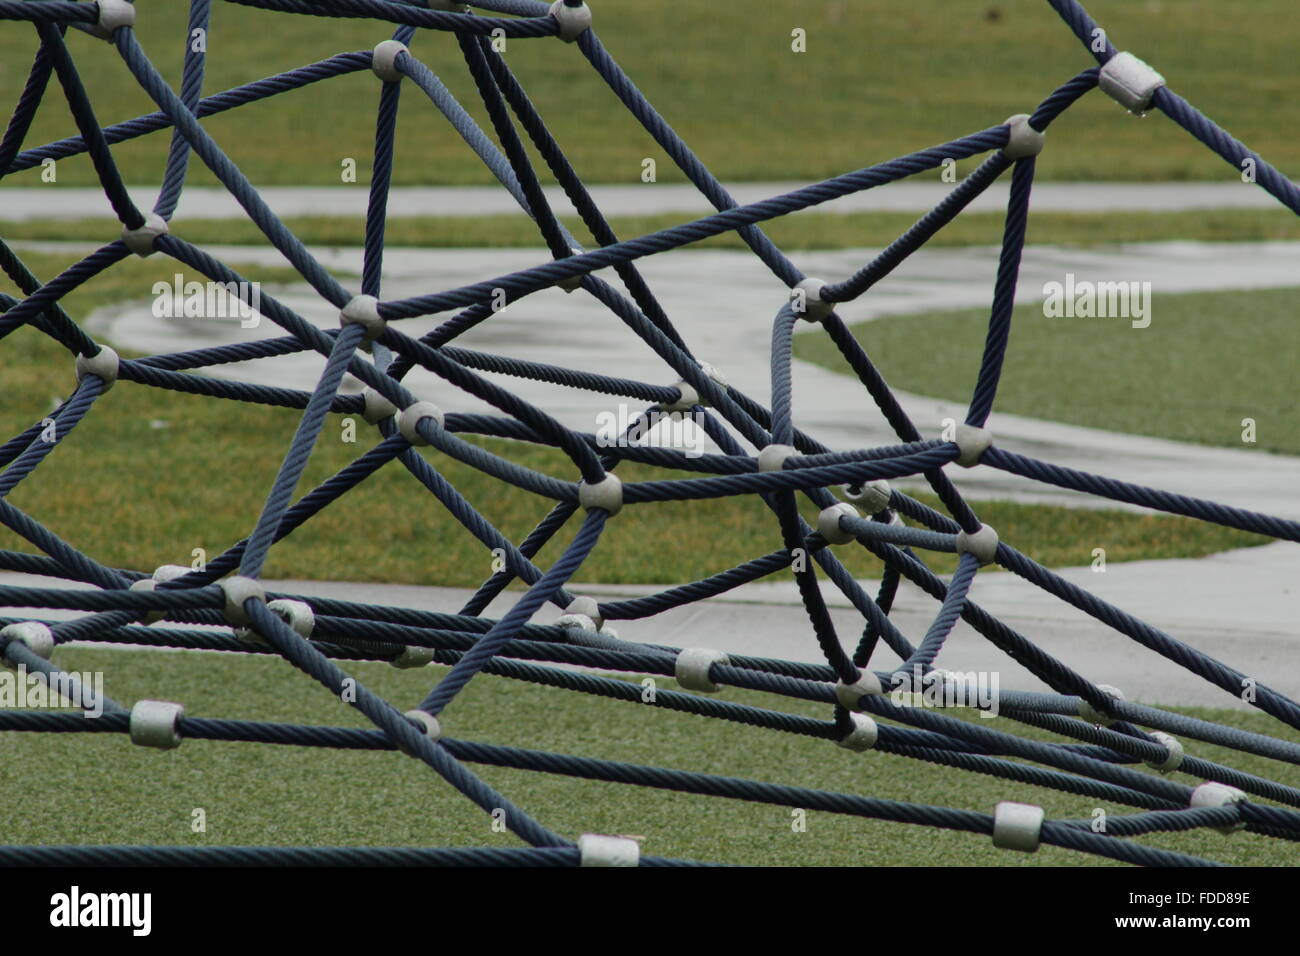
{"x": 1239, "y": 607}
{"x": 636, "y": 199}
{"x": 577, "y": 332}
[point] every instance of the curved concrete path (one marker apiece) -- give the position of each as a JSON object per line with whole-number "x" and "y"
{"x": 637, "y": 199}
{"x": 734, "y": 334}
{"x": 1239, "y": 606}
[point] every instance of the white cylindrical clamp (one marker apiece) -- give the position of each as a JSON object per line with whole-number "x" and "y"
{"x": 429, "y": 725}
{"x": 411, "y": 417}
{"x": 37, "y": 637}
{"x": 1092, "y": 715}
{"x": 238, "y": 590}
{"x": 598, "y": 850}
{"x": 588, "y": 607}
{"x": 687, "y": 398}
{"x": 983, "y": 544}
{"x": 375, "y": 407}
{"x": 1173, "y": 752}
{"x": 384, "y": 60}
{"x": 573, "y": 283}
{"x": 808, "y": 304}
{"x": 606, "y": 493}
{"x": 714, "y": 375}
{"x": 112, "y": 14}
{"x": 297, "y": 614}
{"x": 1218, "y": 795}
{"x": 872, "y": 497}
{"x": 692, "y": 668}
{"x": 972, "y": 442}
{"x": 363, "y": 310}
{"x": 850, "y": 695}
{"x": 574, "y": 19}
{"x": 863, "y": 735}
{"x": 580, "y": 621}
{"x": 154, "y": 724}
{"x": 170, "y": 572}
{"x": 1017, "y": 826}
{"x": 1024, "y": 141}
{"x": 148, "y": 584}
{"x": 103, "y": 363}
{"x": 413, "y": 656}
{"x": 140, "y": 240}
{"x": 828, "y": 523}
{"x": 772, "y": 457}
{"x": 1129, "y": 81}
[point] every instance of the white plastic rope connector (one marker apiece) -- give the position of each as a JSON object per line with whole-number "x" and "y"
{"x": 413, "y": 656}
{"x": 1130, "y": 82}
{"x": 606, "y": 493}
{"x": 863, "y": 735}
{"x": 238, "y": 590}
{"x": 711, "y": 371}
{"x": 297, "y": 614}
{"x": 971, "y": 442}
{"x": 375, "y": 407}
{"x": 687, "y": 398}
{"x": 580, "y": 621}
{"x": 850, "y": 695}
{"x": 1173, "y": 752}
{"x": 412, "y": 415}
{"x": 154, "y": 723}
{"x": 103, "y": 363}
{"x": 1017, "y": 826}
{"x": 170, "y": 572}
{"x": 148, "y": 584}
{"x": 112, "y": 14}
{"x": 429, "y": 726}
{"x": 828, "y": 523}
{"x": 140, "y": 239}
{"x": 983, "y": 544}
{"x": 572, "y": 283}
{"x": 1092, "y": 715}
{"x": 807, "y": 303}
{"x": 772, "y": 457}
{"x": 384, "y": 60}
{"x": 596, "y": 849}
{"x": 873, "y": 497}
{"x": 692, "y": 668}
{"x": 575, "y": 18}
{"x": 588, "y": 607}
{"x": 37, "y": 637}
{"x": 363, "y": 310}
{"x": 1024, "y": 141}
{"x": 1218, "y": 795}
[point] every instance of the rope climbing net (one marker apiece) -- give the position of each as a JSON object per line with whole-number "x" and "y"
{"x": 1100, "y": 737}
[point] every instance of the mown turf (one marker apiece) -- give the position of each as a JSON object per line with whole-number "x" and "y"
{"x": 100, "y": 789}
{"x": 798, "y": 232}
{"x": 877, "y": 81}
{"x": 183, "y": 472}
{"x": 1206, "y": 362}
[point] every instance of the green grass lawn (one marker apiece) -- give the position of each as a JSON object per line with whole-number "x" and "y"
{"x": 101, "y": 789}
{"x": 809, "y": 230}
{"x": 878, "y": 80}
{"x": 1206, "y": 362}
{"x": 184, "y": 472}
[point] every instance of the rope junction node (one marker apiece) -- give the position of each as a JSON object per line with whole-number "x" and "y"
{"x": 1108, "y": 739}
